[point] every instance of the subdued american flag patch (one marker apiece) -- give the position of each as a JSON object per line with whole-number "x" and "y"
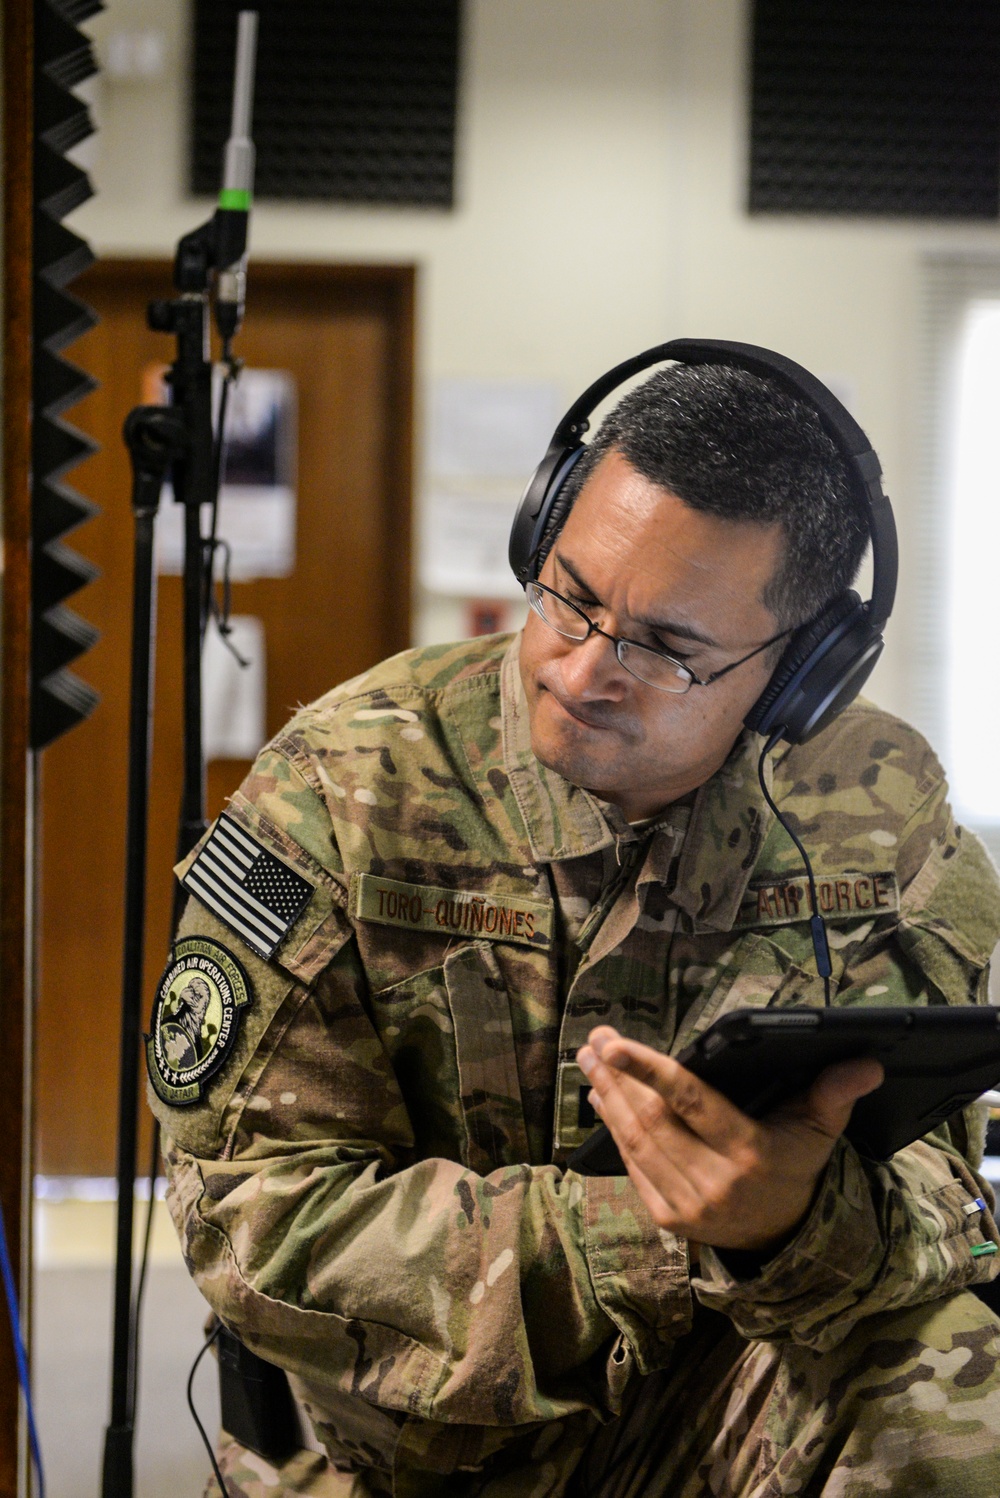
{"x": 257, "y": 895}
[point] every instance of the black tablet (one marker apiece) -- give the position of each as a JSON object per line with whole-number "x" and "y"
{"x": 936, "y": 1061}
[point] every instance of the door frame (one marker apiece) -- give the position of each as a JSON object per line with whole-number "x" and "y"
{"x": 16, "y": 762}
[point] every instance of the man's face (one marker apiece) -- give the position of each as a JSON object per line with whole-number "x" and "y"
{"x": 646, "y": 566}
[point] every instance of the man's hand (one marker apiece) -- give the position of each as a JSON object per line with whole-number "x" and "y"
{"x": 705, "y": 1170}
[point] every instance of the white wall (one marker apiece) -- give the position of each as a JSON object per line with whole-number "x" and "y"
{"x": 601, "y": 182}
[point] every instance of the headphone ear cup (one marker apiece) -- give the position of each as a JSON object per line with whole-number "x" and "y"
{"x": 542, "y": 512}
{"x": 557, "y": 509}
{"x": 824, "y": 666}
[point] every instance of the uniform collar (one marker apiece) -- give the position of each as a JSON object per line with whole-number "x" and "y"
{"x": 728, "y": 823}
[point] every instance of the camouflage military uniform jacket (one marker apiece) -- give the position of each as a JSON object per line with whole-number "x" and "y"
{"x": 370, "y": 1188}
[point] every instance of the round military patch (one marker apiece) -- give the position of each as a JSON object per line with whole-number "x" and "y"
{"x": 196, "y": 1017}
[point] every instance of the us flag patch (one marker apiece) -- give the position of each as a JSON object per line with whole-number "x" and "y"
{"x": 256, "y": 894}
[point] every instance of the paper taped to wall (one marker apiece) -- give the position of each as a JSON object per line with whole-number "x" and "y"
{"x": 463, "y": 543}
{"x": 233, "y": 697}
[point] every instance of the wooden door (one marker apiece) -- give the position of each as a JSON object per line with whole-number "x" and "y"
{"x": 345, "y": 334}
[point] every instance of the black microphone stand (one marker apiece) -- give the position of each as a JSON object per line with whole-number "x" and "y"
{"x": 177, "y": 438}
{"x": 159, "y": 438}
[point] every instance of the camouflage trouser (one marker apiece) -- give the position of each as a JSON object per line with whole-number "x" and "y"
{"x": 908, "y": 1406}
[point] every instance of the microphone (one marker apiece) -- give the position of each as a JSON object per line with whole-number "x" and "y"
{"x": 233, "y": 212}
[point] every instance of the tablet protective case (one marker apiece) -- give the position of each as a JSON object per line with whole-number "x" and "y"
{"x": 937, "y": 1060}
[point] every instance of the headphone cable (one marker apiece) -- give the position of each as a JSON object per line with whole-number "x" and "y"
{"x": 817, "y": 925}
{"x": 20, "y": 1353}
{"x": 194, "y": 1413}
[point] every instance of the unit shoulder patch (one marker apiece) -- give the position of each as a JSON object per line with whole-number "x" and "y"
{"x": 247, "y": 886}
{"x": 196, "y": 1016}
{"x": 451, "y": 912}
{"x": 841, "y": 897}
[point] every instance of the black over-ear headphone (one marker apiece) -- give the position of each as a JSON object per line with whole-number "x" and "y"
{"x": 827, "y": 660}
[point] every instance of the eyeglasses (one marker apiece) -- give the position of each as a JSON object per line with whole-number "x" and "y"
{"x": 650, "y": 666}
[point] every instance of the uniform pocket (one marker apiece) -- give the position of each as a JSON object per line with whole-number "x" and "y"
{"x": 489, "y": 1086}
{"x": 414, "y": 1023}
{"x": 449, "y": 1037}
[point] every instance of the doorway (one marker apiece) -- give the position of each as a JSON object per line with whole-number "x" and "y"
{"x": 344, "y": 335}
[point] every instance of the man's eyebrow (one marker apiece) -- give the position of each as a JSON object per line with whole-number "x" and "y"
{"x": 661, "y": 626}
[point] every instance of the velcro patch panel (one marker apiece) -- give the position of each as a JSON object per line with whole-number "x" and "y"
{"x": 247, "y": 886}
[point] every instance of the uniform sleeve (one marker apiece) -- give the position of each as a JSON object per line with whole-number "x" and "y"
{"x": 320, "y": 1237}
{"x": 880, "y": 1237}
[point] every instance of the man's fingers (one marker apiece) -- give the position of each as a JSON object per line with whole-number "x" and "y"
{"x": 658, "y": 1199}
{"x": 708, "y": 1115}
{"x": 651, "y": 1141}
{"x": 622, "y": 1096}
{"x": 638, "y": 1060}
{"x": 830, "y": 1099}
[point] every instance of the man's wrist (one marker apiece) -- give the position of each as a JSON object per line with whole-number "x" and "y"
{"x": 747, "y": 1263}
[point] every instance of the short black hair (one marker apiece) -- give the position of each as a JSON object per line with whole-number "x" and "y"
{"x": 742, "y": 448}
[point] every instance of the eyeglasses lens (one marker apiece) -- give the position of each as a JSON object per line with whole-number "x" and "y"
{"x": 645, "y": 665}
{"x": 655, "y": 670}
{"x": 558, "y": 613}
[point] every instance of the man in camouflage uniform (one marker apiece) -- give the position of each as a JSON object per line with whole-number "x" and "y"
{"x": 436, "y": 882}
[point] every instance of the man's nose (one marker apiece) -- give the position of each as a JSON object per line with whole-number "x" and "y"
{"x": 591, "y": 669}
